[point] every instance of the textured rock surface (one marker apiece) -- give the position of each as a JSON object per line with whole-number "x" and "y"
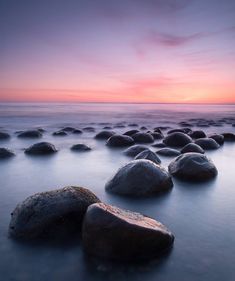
{"x": 120, "y": 141}
{"x": 207, "y": 143}
{"x": 143, "y": 138}
{"x": 41, "y": 148}
{"x": 177, "y": 139}
{"x": 104, "y": 135}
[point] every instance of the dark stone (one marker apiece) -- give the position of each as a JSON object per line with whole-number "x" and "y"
{"x": 207, "y": 143}
{"x": 120, "y": 141}
{"x": 6, "y": 153}
{"x": 168, "y": 152}
{"x": 143, "y": 138}
{"x": 192, "y": 147}
{"x": 60, "y": 134}
{"x": 51, "y": 212}
{"x": 193, "y": 166}
{"x": 89, "y": 129}
{"x": 107, "y": 128}
{"x": 130, "y": 132}
{"x": 177, "y": 139}
{"x": 30, "y": 134}
{"x": 113, "y": 233}
{"x": 133, "y": 125}
{"x": 148, "y": 155}
{"x": 77, "y": 131}
{"x": 143, "y": 128}
{"x": 218, "y": 138}
{"x": 80, "y": 147}
{"x": 175, "y": 131}
{"x": 197, "y": 134}
{"x": 140, "y": 178}
{"x": 157, "y": 136}
{"x": 4, "y": 135}
{"x": 135, "y": 150}
{"x": 41, "y": 148}
{"x": 104, "y": 135}
{"x": 228, "y": 137}
{"x": 160, "y": 145}
{"x": 68, "y": 129}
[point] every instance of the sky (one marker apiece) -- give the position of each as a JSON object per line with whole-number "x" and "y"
{"x": 166, "y": 51}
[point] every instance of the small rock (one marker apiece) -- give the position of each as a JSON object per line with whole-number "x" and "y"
{"x": 6, "y": 153}
{"x": 4, "y": 135}
{"x": 89, "y": 129}
{"x": 60, "y": 134}
{"x": 30, "y": 134}
{"x": 77, "y": 131}
{"x": 80, "y": 147}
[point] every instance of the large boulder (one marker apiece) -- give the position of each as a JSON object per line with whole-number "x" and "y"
{"x": 6, "y": 153}
{"x": 41, "y": 148}
{"x": 30, "y": 134}
{"x": 51, "y": 213}
{"x": 120, "y": 141}
{"x": 193, "y": 166}
{"x": 140, "y": 178}
{"x": 192, "y": 147}
{"x": 177, "y": 139}
{"x": 80, "y": 147}
{"x": 207, "y": 143}
{"x": 197, "y": 134}
{"x": 113, "y": 233}
{"x": 143, "y": 138}
{"x": 104, "y": 135}
{"x": 135, "y": 150}
{"x": 148, "y": 155}
{"x": 168, "y": 152}
{"x": 4, "y": 135}
{"x": 218, "y": 138}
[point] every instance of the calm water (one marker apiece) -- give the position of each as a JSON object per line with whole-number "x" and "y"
{"x": 202, "y": 216}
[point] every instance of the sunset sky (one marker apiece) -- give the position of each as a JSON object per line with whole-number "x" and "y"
{"x": 117, "y": 51}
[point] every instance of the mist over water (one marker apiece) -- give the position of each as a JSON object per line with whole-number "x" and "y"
{"x": 201, "y": 216}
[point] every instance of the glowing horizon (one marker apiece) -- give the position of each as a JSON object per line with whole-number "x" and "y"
{"x": 155, "y": 51}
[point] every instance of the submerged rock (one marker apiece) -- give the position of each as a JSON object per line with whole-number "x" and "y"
{"x": 51, "y": 213}
{"x": 168, "y": 152}
{"x": 80, "y": 147}
{"x": 114, "y": 233}
{"x": 131, "y": 132}
{"x": 30, "y": 134}
{"x": 197, "y": 134}
{"x": 104, "y": 135}
{"x": 135, "y": 149}
{"x": 177, "y": 139}
{"x": 157, "y": 136}
{"x": 77, "y": 131}
{"x": 192, "y": 147}
{"x": 160, "y": 145}
{"x": 41, "y": 148}
{"x": 218, "y": 138}
{"x": 60, "y": 134}
{"x": 207, "y": 143}
{"x": 193, "y": 166}
{"x": 68, "y": 129}
{"x": 4, "y": 135}
{"x": 140, "y": 178}
{"x": 89, "y": 129}
{"x": 229, "y": 137}
{"x": 143, "y": 138}
{"x": 6, "y": 153}
{"x": 148, "y": 155}
{"x": 120, "y": 141}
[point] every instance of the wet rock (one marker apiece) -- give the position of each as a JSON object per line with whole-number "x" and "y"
{"x": 107, "y": 128}
{"x": 143, "y": 128}
{"x": 193, "y": 166}
{"x": 30, "y": 134}
{"x": 197, "y": 134}
{"x": 133, "y": 125}
{"x": 148, "y": 155}
{"x": 157, "y": 130}
{"x": 135, "y": 150}
{"x": 41, "y": 148}
{"x": 68, "y": 129}
{"x": 143, "y": 138}
{"x": 177, "y": 139}
{"x": 192, "y": 147}
{"x": 229, "y": 137}
{"x": 114, "y": 233}
{"x": 6, "y": 153}
{"x": 168, "y": 152}
{"x": 131, "y": 132}
{"x": 207, "y": 143}
{"x": 77, "y": 131}
{"x": 120, "y": 141}
{"x": 4, "y": 136}
{"x": 218, "y": 138}
{"x": 157, "y": 136}
{"x": 175, "y": 131}
{"x": 160, "y": 145}
{"x": 80, "y": 147}
{"x": 51, "y": 212}
{"x": 60, "y": 134}
{"x": 140, "y": 178}
{"x": 119, "y": 126}
{"x": 104, "y": 135}
{"x": 89, "y": 129}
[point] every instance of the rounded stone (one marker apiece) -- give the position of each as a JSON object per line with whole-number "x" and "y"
{"x": 30, "y": 134}
{"x": 192, "y": 147}
{"x": 197, "y": 134}
{"x": 60, "y": 134}
{"x": 68, "y": 129}
{"x": 89, "y": 129}
{"x": 104, "y": 135}
{"x": 113, "y": 233}
{"x": 193, "y": 167}
{"x": 131, "y": 132}
{"x": 218, "y": 138}
{"x": 229, "y": 137}
{"x": 207, "y": 143}
{"x": 6, "y": 153}
{"x": 41, "y": 148}
{"x": 157, "y": 136}
{"x": 140, "y": 178}
{"x": 159, "y": 144}
{"x": 177, "y": 139}
{"x": 51, "y": 213}
{"x": 143, "y": 138}
{"x": 148, "y": 155}
{"x": 135, "y": 149}
{"x": 80, "y": 147}
{"x": 168, "y": 152}
{"x": 120, "y": 141}
{"x": 4, "y": 135}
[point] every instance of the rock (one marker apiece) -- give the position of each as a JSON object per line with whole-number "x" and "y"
{"x": 160, "y": 145}
{"x": 4, "y": 136}
{"x": 114, "y": 233}
{"x": 89, "y": 129}
{"x": 107, "y": 128}
{"x": 104, "y": 135}
{"x": 30, "y": 134}
{"x": 192, "y": 147}
{"x": 148, "y": 155}
{"x": 140, "y": 178}
{"x": 77, "y": 131}
{"x": 41, "y": 148}
{"x": 135, "y": 149}
{"x": 207, "y": 143}
{"x": 119, "y": 126}
{"x": 168, "y": 152}
{"x": 6, "y": 153}
{"x": 193, "y": 166}
{"x": 120, "y": 141}
{"x": 80, "y": 147}
{"x": 229, "y": 137}
{"x": 197, "y": 134}
{"x": 177, "y": 139}
{"x": 60, "y": 134}
{"x": 68, "y": 129}
{"x": 51, "y": 212}
{"x": 133, "y": 125}
{"x": 157, "y": 136}
{"x": 143, "y": 138}
{"x": 143, "y": 128}
{"x": 131, "y": 132}
{"x": 218, "y": 138}
{"x": 176, "y": 131}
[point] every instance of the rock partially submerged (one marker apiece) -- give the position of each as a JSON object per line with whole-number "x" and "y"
{"x": 41, "y": 148}
{"x": 193, "y": 167}
{"x": 135, "y": 150}
{"x": 140, "y": 178}
{"x": 80, "y": 147}
{"x": 60, "y": 134}
{"x": 168, "y": 152}
{"x": 197, "y": 134}
{"x": 51, "y": 213}
{"x": 218, "y": 138}
{"x": 207, "y": 143}
{"x": 120, "y": 141}
{"x": 131, "y": 132}
{"x": 30, "y": 134}
{"x": 177, "y": 139}
{"x": 114, "y": 233}
{"x": 148, "y": 155}
{"x": 6, "y": 153}
{"x": 104, "y": 135}
{"x": 192, "y": 147}
{"x": 229, "y": 137}
{"x": 143, "y": 137}
{"x": 4, "y": 135}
